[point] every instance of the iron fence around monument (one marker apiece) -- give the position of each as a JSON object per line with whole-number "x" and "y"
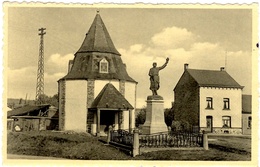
{"x": 134, "y": 142}
{"x": 122, "y": 137}
{"x": 171, "y": 139}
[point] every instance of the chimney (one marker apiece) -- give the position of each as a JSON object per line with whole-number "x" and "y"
{"x": 186, "y": 66}
{"x": 222, "y": 68}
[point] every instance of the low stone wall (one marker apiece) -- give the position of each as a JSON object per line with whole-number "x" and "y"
{"x": 226, "y": 130}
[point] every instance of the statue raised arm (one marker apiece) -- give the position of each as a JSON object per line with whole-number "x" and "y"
{"x": 154, "y": 76}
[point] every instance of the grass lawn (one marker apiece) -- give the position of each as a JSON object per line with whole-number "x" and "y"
{"x": 59, "y": 144}
{"x": 213, "y": 154}
{"x": 84, "y": 146}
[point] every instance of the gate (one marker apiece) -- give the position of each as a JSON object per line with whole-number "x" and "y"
{"x": 122, "y": 137}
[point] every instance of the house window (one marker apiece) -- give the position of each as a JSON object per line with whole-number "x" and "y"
{"x": 209, "y": 103}
{"x": 226, "y": 121}
{"x": 103, "y": 66}
{"x": 226, "y": 104}
{"x": 249, "y": 123}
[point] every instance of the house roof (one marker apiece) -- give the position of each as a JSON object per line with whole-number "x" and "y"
{"x": 98, "y": 39}
{"x": 111, "y": 98}
{"x": 25, "y": 109}
{"x": 213, "y": 78}
{"x": 246, "y": 103}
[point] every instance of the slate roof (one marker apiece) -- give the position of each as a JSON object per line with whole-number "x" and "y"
{"x": 96, "y": 46}
{"x": 246, "y": 104}
{"x": 213, "y": 78}
{"x": 111, "y": 98}
{"x": 98, "y": 39}
{"x": 26, "y": 109}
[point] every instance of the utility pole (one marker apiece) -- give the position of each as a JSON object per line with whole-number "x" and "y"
{"x": 40, "y": 72}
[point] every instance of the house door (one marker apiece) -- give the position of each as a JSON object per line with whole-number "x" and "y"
{"x": 107, "y": 117}
{"x": 209, "y": 124}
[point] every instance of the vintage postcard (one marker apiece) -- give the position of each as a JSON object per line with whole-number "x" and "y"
{"x": 133, "y": 85}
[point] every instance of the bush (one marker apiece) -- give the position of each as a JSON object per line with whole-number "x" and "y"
{"x": 140, "y": 118}
{"x": 180, "y": 126}
{"x": 176, "y": 126}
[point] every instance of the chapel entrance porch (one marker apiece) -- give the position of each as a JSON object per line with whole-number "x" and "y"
{"x": 107, "y": 118}
{"x": 110, "y": 107}
{"x": 103, "y": 118}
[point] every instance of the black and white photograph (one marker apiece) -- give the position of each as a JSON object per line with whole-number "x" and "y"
{"x": 143, "y": 83}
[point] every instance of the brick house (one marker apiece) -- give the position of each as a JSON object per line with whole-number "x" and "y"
{"x": 210, "y": 100}
{"x": 97, "y": 90}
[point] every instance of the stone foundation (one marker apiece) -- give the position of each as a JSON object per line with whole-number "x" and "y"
{"x": 225, "y": 130}
{"x": 62, "y": 89}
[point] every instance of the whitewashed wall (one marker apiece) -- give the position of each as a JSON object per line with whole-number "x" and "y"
{"x": 130, "y": 95}
{"x": 75, "y": 106}
{"x": 99, "y": 85}
{"x": 125, "y": 124}
{"x": 235, "y": 100}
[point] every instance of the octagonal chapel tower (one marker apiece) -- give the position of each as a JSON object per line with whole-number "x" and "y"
{"x": 97, "y": 91}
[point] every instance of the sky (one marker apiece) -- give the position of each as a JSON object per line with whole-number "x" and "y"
{"x": 203, "y": 38}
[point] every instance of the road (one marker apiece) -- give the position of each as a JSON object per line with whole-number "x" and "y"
{"x": 232, "y": 143}
{"x": 31, "y": 157}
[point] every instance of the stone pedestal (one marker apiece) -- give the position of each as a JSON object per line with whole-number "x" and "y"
{"x": 154, "y": 122}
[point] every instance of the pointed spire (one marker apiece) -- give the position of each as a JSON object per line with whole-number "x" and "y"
{"x": 98, "y": 39}
{"x": 87, "y": 64}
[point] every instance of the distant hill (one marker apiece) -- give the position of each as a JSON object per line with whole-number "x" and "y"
{"x": 14, "y": 103}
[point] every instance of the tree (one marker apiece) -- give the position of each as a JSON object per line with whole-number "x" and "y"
{"x": 140, "y": 118}
{"x": 44, "y": 99}
{"x": 55, "y": 100}
{"x": 169, "y": 115}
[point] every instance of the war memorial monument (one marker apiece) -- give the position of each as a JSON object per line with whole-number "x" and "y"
{"x": 154, "y": 121}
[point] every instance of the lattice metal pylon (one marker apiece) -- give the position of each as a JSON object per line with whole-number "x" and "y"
{"x": 40, "y": 72}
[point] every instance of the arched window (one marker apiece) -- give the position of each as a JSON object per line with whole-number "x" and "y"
{"x": 103, "y": 66}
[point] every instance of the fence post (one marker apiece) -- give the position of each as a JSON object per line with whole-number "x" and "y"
{"x": 109, "y": 134}
{"x": 136, "y": 143}
{"x": 205, "y": 141}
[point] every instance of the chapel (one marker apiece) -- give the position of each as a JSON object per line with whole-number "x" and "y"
{"x": 97, "y": 91}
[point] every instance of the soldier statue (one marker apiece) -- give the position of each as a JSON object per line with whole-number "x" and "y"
{"x": 154, "y": 76}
